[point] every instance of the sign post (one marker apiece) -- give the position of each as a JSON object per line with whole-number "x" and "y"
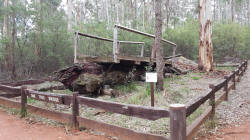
{"x": 151, "y": 78}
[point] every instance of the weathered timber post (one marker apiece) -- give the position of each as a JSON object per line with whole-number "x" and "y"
{"x": 226, "y": 87}
{"x": 237, "y": 73}
{"x": 212, "y": 101}
{"x": 174, "y": 51}
{"x": 152, "y": 94}
{"x": 118, "y": 48}
{"x": 246, "y": 64}
{"x": 142, "y": 50}
{"x": 177, "y": 122}
{"x": 244, "y": 68}
{"x": 234, "y": 80}
{"x": 115, "y": 44}
{"x": 75, "y": 111}
{"x": 241, "y": 69}
{"x": 76, "y": 47}
{"x": 23, "y": 110}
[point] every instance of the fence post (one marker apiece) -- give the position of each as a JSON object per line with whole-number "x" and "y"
{"x": 238, "y": 74}
{"x": 23, "y": 110}
{"x": 142, "y": 50}
{"x": 212, "y": 101}
{"x": 115, "y": 44}
{"x": 76, "y": 47}
{"x": 246, "y": 64}
{"x": 242, "y": 70}
{"x": 177, "y": 122}
{"x": 226, "y": 87}
{"x": 234, "y": 80}
{"x": 75, "y": 111}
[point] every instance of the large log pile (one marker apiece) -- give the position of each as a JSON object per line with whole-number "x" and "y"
{"x": 89, "y": 78}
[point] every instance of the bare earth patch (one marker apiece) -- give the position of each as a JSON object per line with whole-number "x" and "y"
{"x": 14, "y": 128}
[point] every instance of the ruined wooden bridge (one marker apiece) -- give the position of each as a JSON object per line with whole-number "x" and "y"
{"x": 116, "y": 56}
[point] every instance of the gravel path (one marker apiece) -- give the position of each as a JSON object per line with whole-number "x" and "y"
{"x": 233, "y": 117}
{"x": 237, "y": 109}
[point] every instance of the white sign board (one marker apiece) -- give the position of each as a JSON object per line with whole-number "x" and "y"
{"x": 151, "y": 77}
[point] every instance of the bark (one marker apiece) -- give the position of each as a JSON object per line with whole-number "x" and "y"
{"x": 38, "y": 31}
{"x": 159, "y": 50}
{"x": 232, "y": 9}
{"x": 69, "y": 14}
{"x": 12, "y": 56}
{"x": 6, "y": 35}
{"x": 205, "y": 36}
{"x": 167, "y": 12}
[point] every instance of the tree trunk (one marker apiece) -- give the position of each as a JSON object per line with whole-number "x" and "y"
{"x": 159, "y": 50}
{"x": 12, "y": 55}
{"x": 205, "y": 39}
{"x": 6, "y": 36}
{"x": 167, "y": 12}
{"x": 69, "y": 14}
{"x": 38, "y": 30}
{"x": 232, "y": 9}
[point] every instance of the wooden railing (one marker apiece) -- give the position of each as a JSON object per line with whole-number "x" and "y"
{"x": 74, "y": 100}
{"x": 227, "y": 84}
{"x": 115, "y": 43}
{"x": 115, "y": 52}
{"x": 177, "y": 112}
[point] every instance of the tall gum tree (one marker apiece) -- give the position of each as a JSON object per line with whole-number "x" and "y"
{"x": 205, "y": 36}
{"x": 159, "y": 51}
{"x": 6, "y": 35}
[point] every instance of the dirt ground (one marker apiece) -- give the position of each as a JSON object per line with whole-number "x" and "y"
{"x": 241, "y": 132}
{"x": 14, "y": 128}
{"x": 233, "y": 117}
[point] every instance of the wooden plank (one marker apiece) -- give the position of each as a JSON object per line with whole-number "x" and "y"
{"x": 7, "y": 95}
{"x": 133, "y": 58}
{"x": 84, "y": 58}
{"x": 93, "y": 36}
{"x": 44, "y": 96}
{"x": 9, "y": 103}
{"x": 24, "y": 82}
{"x": 199, "y": 101}
{"x": 142, "y": 33}
{"x": 122, "y": 133}
{"x": 130, "y": 42}
{"x": 54, "y": 115}
{"x": 10, "y": 90}
{"x": 125, "y": 109}
{"x": 217, "y": 87}
{"x": 194, "y": 127}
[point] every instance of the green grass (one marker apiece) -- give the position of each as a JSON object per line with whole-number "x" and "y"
{"x": 127, "y": 88}
{"x": 30, "y": 100}
{"x": 196, "y": 78}
{"x": 225, "y": 68}
{"x": 142, "y": 94}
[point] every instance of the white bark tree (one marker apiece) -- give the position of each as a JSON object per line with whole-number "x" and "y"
{"x": 205, "y": 36}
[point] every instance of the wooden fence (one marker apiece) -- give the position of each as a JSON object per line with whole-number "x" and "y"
{"x": 177, "y": 112}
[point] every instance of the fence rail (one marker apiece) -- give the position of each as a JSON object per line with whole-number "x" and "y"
{"x": 177, "y": 113}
